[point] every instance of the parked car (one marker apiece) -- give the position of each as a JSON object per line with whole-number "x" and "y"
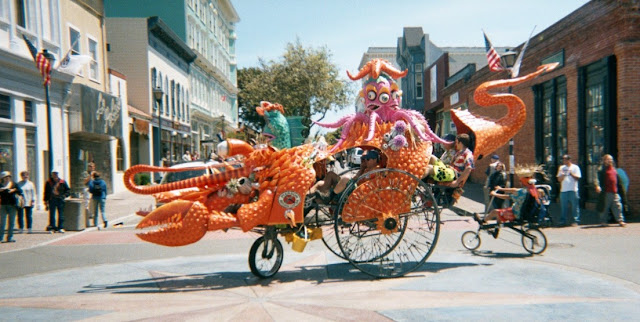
{"x": 355, "y": 157}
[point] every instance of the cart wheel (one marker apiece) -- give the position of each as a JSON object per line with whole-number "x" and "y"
{"x": 387, "y": 223}
{"x": 534, "y": 241}
{"x": 329, "y": 237}
{"x": 265, "y": 257}
{"x": 471, "y": 240}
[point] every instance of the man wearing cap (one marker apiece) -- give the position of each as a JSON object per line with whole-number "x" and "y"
{"x": 491, "y": 169}
{"x": 55, "y": 191}
{"x": 449, "y": 149}
{"x": 8, "y": 193}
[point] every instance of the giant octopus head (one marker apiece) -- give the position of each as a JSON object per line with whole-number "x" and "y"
{"x": 381, "y": 95}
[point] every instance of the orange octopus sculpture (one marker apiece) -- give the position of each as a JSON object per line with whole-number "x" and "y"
{"x": 270, "y": 185}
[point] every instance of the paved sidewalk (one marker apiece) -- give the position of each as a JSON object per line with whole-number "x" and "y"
{"x": 118, "y": 207}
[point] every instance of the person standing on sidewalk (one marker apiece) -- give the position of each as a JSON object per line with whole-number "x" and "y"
{"x": 98, "y": 189}
{"x": 86, "y": 177}
{"x": 8, "y": 194}
{"x": 569, "y": 175}
{"x": 611, "y": 191}
{"x": 55, "y": 191}
{"x": 29, "y": 193}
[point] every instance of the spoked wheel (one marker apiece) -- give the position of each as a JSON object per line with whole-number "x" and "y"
{"x": 265, "y": 256}
{"x": 387, "y": 223}
{"x": 471, "y": 240}
{"x": 534, "y": 241}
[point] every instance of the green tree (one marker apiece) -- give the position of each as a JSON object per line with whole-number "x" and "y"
{"x": 304, "y": 81}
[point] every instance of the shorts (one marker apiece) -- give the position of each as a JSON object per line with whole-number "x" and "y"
{"x": 505, "y": 215}
{"x": 443, "y": 173}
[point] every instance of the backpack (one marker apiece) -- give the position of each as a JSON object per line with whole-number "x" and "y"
{"x": 97, "y": 189}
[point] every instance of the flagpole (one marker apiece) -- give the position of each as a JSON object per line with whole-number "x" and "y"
{"x": 51, "y": 60}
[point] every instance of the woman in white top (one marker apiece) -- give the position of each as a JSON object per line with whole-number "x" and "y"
{"x": 29, "y": 193}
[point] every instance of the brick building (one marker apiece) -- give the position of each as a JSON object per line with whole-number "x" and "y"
{"x": 587, "y": 107}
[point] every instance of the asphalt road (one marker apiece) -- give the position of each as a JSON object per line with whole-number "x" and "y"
{"x": 587, "y": 273}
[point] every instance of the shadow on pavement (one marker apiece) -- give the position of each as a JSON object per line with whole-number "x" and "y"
{"x": 491, "y": 254}
{"x": 319, "y": 274}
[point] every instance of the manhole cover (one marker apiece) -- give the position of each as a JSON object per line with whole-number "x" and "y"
{"x": 561, "y": 245}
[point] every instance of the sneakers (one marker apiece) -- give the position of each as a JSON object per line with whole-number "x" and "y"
{"x": 495, "y": 233}
{"x": 20, "y": 231}
{"x": 30, "y": 231}
{"x": 477, "y": 218}
{"x": 61, "y": 231}
{"x": 622, "y": 224}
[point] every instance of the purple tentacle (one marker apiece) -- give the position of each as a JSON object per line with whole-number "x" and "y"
{"x": 337, "y": 124}
{"x": 428, "y": 135}
{"x": 372, "y": 126}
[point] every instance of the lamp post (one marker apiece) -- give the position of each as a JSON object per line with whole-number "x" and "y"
{"x": 51, "y": 60}
{"x": 508, "y": 61}
{"x": 158, "y": 93}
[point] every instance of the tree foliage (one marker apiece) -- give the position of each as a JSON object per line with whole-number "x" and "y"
{"x": 304, "y": 81}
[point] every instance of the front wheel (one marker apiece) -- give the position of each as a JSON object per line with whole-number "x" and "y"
{"x": 265, "y": 257}
{"x": 471, "y": 240}
{"x": 534, "y": 241}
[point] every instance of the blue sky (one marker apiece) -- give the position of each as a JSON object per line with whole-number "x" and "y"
{"x": 349, "y": 27}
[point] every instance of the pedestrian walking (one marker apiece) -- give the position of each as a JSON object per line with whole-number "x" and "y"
{"x": 86, "y": 177}
{"x": 55, "y": 191}
{"x": 8, "y": 201}
{"x": 569, "y": 176}
{"x": 98, "y": 189}
{"x": 491, "y": 169}
{"x": 612, "y": 192}
{"x": 29, "y": 193}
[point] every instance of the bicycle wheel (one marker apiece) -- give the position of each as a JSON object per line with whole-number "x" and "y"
{"x": 534, "y": 241}
{"x": 471, "y": 240}
{"x": 387, "y": 223}
{"x": 265, "y": 257}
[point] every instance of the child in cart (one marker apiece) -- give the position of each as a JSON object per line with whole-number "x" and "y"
{"x": 525, "y": 201}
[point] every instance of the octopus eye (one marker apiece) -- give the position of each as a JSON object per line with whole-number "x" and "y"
{"x": 371, "y": 95}
{"x": 384, "y": 98}
{"x": 395, "y": 95}
{"x": 242, "y": 181}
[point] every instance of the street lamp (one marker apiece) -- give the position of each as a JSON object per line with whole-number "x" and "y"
{"x": 51, "y": 60}
{"x": 508, "y": 61}
{"x": 158, "y": 93}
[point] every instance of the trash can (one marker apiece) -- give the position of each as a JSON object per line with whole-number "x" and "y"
{"x": 74, "y": 215}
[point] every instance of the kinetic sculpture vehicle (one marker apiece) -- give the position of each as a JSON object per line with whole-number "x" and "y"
{"x": 387, "y": 221}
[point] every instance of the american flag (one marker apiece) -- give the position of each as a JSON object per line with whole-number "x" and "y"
{"x": 42, "y": 63}
{"x": 492, "y": 56}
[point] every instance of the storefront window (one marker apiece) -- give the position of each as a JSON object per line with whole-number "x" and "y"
{"x": 595, "y": 129}
{"x": 6, "y": 150}
{"x": 551, "y": 120}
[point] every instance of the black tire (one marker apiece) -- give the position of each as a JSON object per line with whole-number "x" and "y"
{"x": 413, "y": 232}
{"x": 471, "y": 240}
{"x": 534, "y": 241}
{"x": 265, "y": 257}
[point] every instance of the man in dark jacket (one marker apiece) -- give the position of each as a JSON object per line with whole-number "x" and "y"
{"x": 9, "y": 191}
{"x": 55, "y": 191}
{"x": 612, "y": 192}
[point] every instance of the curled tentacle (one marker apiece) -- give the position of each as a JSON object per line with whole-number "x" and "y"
{"x": 492, "y": 134}
{"x": 374, "y": 67}
{"x": 201, "y": 181}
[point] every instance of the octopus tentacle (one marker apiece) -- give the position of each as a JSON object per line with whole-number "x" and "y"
{"x": 374, "y": 67}
{"x": 490, "y": 134}
{"x": 335, "y": 125}
{"x": 372, "y": 126}
{"x": 201, "y": 181}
